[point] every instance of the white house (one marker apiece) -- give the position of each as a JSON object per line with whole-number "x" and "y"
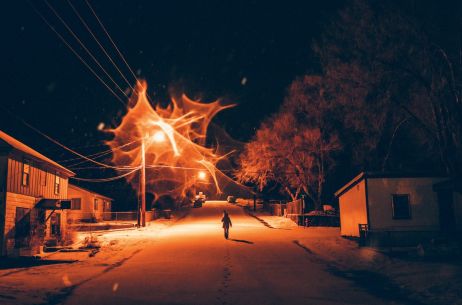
{"x": 33, "y": 195}
{"x": 394, "y": 208}
{"x": 87, "y": 205}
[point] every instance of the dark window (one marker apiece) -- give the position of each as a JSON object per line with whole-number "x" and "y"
{"x": 76, "y": 204}
{"x": 25, "y": 173}
{"x": 95, "y": 204}
{"x": 401, "y": 206}
{"x": 43, "y": 178}
{"x": 57, "y": 184}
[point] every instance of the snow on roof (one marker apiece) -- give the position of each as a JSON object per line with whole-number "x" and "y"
{"x": 12, "y": 142}
{"x": 79, "y": 188}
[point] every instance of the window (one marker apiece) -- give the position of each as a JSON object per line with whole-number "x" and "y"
{"x": 25, "y": 172}
{"x": 57, "y": 184}
{"x": 401, "y": 206}
{"x": 76, "y": 204}
{"x": 43, "y": 178}
{"x": 95, "y": 205}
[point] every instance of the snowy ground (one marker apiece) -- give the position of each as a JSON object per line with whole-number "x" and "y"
{"x": 268, "y": 260}
{"x": 47, "y": 280}
{"x": 424, "y": 282}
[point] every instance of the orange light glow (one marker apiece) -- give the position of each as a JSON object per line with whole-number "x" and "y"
{"x": 174, "y": 138}
{"x": 201, "y": 175}
{"x": 159, "y": 137}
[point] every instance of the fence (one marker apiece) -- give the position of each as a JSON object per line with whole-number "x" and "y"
{"x": 295, "y": 207}
{"x": 90, "y": 217}
{"x": 278, "y": 209}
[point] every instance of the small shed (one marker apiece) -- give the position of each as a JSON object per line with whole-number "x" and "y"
{"x": 394, "y": 208}
{"x": 87, "y": 205}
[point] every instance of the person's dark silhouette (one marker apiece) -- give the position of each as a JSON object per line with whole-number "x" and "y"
{"x": 226, "y": 223}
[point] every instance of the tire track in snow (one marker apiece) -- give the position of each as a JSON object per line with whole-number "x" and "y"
{"x": 62, "y": 294}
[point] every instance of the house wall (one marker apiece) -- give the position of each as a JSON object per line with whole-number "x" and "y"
{"x": 423, "y": 202}
{"x": 18, "y": 195}
{"x": 3, "y": 172}
{"x": 87, "y": 210}
{"x": 353, "y": 211}
{"x": 23, "y": 201}
{"x": 36, "y": 187}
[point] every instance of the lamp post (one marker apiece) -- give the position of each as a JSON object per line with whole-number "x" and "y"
{"x": 158, "y": 137}
{"x": 143, "y": 184}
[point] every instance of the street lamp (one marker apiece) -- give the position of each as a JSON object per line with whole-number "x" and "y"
{"x": 201, "y": 175}
{"x": 158, "y": 137}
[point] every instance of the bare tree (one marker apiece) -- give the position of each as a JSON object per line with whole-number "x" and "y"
{"x": 291, "y": 148}
{"x": 384, "y": 68}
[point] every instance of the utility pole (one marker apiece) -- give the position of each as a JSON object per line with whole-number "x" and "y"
{"x": 143, "y": 185}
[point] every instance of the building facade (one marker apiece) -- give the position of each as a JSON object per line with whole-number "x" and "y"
{"x": 33, "y": 193}
{"x": 393, "y": 208}
{"x": 87, "y": 205}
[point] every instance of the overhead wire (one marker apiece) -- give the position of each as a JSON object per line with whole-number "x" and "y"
{"x": 110, "y": 38}
{"x": 98, "y": 154}
{"x": 77, "y": 55}
{"x": 106, "y": 179}
{"x": 84, "y": 47}
{"x": 99, "y": 44}
{"x": 62, "y": 145}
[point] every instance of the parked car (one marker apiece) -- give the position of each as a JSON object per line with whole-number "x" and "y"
{"x": 198, "y": 203}
{"x": 199, "y": 200}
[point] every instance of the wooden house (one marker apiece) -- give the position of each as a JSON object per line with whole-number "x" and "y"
{"x": 87, "y": 205}
{"x": 395, "y": 208}
{"x": 33, "y": 195}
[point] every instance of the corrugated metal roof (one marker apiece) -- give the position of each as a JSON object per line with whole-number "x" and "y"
{"x": 29, "y": 151}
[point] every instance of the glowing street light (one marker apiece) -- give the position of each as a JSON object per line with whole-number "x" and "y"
{"x": 159, "y": 137}
{"x": 201, "y": 175}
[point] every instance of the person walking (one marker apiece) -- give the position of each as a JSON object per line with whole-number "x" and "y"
{"x": 226, "y": 223}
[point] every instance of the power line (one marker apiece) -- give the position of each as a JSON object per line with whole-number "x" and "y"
{"x": 84, "y": 47}
{"x": 62, "y": 145}
{"x": 106, "y": 179}
{"x": 76, "y": 54}
{"x": 99, "y": 44}
{"x": 112, "y": 41}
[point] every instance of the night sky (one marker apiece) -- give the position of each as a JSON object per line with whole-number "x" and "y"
{"x": 240, "y": 52}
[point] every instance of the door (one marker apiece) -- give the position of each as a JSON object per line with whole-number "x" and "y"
{"x": 446, "y": 210}
{"x": 22, "y": 228}
{"x": 55, "y": 225}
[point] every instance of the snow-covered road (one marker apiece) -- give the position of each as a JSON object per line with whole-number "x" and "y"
{"x": 191, "y": 263}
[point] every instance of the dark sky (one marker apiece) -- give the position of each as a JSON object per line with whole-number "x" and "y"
{"x": 205, "y": 49}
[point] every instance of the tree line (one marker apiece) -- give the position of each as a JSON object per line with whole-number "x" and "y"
{"x": 387, "y": 97}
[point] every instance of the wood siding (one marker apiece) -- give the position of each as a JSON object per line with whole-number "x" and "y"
{"x": 353, "y": 210}
{"x": 23, "y": 201}
{"x": 35, "y": 187}
{"x": 3, "y": 173}
{"x": 87, "y": 210}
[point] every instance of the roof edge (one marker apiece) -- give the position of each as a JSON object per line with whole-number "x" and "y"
{"x": 350, "y": 184}
{"x": 390, "y": 175}
{"x": 87, "y": 190}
